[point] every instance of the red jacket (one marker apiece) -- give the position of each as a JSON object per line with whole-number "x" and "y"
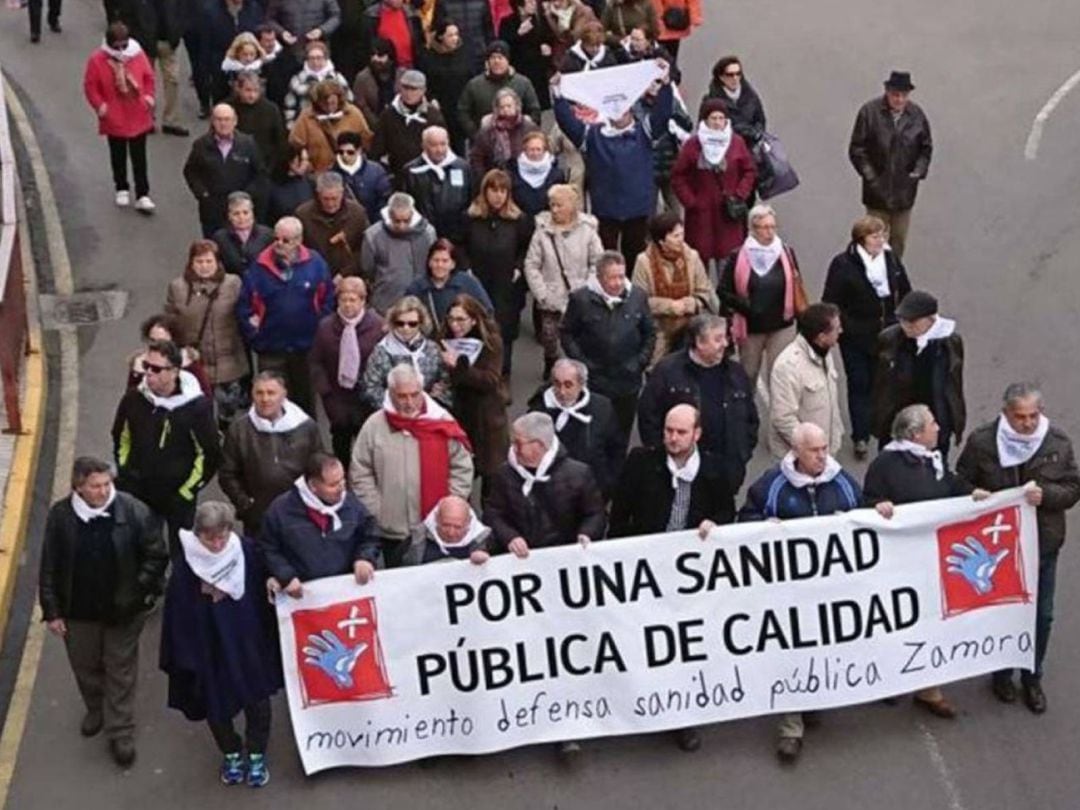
{"x": 702, "y": 193}
{"x": 126, "y": 116}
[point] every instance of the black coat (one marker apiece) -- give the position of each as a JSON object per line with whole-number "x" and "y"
{"x": 862, "y": 314}
{"x": 212, "y": 178}
{"x": 149, "y": 21}
{"x": 600, "y": 443}
{"x": 747, "y": 115}
{"x": 286, "y": 196}
{"x": 263, "y": 122}
{"x": 553, "y": 514}
{"x": 218, "y": 28}
{"x": 496, "y": 247}
{"x": 729, "y": 427}
{"x": 643, "y": 499}
{"x": 902, "y": 477}
{"x": 140, "y": 558}
{"x": 399, "y": 142}
{"x": 236, "y": 257}
{"x": 896, "y": 385}
{"x": 534, "y": 200}
{"x": 443, "y": 203}
{"x": 616, "y": 344}
{"x": 525, "y": 53}
{"x": 890, "y": 158}
{"x": 447, "y": 74}
{"x": 473, "y": 20}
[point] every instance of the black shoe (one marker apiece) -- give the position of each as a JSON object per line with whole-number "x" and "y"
{"x": 35, "y": 38}
{"x": 862, "y": 450}
{"x": 688, "y": 739}
{"x": 92, "y": 723}
{"x": 170, "y": 129}
{"x": 54, "y": 26}
{"x": 123, "y": 751}
{"x": 1004, "y": 688}
{"x": 788, "y": 749}
{"x": 204, "y": 113}
{"x": 1034, "y": 696}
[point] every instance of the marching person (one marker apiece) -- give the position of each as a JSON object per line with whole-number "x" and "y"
{"x": 408, "y": 456}
{"x": 103, "y": 563}
{"x": 258, "y": 116}
{"x": 242, "y": 239}
{"x": 1022, "y": 448}
{"x": 265, "y": 453}
{"x": 316, "y": 69}
{"x": 395, "y": 250}
{"x": 910, "y": 469}
{"x": 443, "y": 283}
{"x": 402, "y": 122}
{"x": 217, "y": 642}
{"x": 329, "y": 114}
{"x": 334, "y": 225}
{"x": 409, "y": 340}
{"x": 452, "y": 531}
{"x": 441, "y": 183}
{"x": 743, "y": 104}
{"x": 807, "y": 482}
{"x": 478, "y": 98}
{"x": 366, "y": 179}
{"x": 890, "y": 149}
{"x": 498, "y": 142}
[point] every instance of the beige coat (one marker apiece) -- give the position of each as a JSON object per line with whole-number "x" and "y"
{"x": 670, "y": 326}
{"x": 578, "y": 250}
{"x": 385, "y": 475}
{"x": 221, "y": 349}
{"x": 803, "y": 388}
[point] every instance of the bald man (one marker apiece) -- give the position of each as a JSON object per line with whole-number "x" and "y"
{"x": 452, "y": 531}
{"x": 441, "y": 183}
{"x": 220, "y": 162}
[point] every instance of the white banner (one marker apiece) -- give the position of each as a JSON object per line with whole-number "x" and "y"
{"x": 658, "y": 632}
{"x": 610, "y": 91}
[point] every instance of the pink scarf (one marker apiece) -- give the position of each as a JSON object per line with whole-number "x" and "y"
{"x": 739, "y": 331}
{"x": 348, "y": 369}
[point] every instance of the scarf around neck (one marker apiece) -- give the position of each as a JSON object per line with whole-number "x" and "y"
{"x": 588, "y": 62}
{"x": 611, "y": 301}
{"x": 189, "y": 390}
{"x": 428, "y": 165}
{"x": 130, "y": 51}
{"x": 763, "y": 257}
{"x": 224, "y": 570}
{"x": 876, "y": 271}
{"x": 348, "y": 370}
{"x": 353, "y": 169}
{"x": 906, "y": 446}
{"x": 316, "y": 504}
{"x": 750, "y": 252}
{"x": 292, "y": 416}
{"x": 714, "y": 143}
{"x": 535, "y": 172}
{"x": 394, "y": 346}
{"x": 800, "y": 479}
{"x": 85, "y": 512}
{"x": 940, "y": 329}
{"x": 687, "y": 472}
{"x": 541, "y": 475}
{"x": 417, "y": 116}
{"x": 1015, "y": 448}
{"x": 735, "y": 94}
{"x": 476, "y": 531}
{"x": 568, "y": 412}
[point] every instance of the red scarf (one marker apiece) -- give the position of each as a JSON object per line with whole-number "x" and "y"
{"x": 433, "y": 436}
{"x": 394, "y": 26}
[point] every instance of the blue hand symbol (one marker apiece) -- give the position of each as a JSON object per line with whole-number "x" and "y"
{"x": 333, "y": 658}
{"x": 975, "y": 564}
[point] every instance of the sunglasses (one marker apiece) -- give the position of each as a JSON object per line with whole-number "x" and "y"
{"x": 733, "y": 73}
{"x": 410, "y": 324}
{"x": 154, "y": 368}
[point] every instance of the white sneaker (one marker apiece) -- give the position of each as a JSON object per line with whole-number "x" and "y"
{"x": 144, "y": 205}
{"x": 123, "y": 198}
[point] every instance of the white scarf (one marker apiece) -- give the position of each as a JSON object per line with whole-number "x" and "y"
{"x": 1015, "y": 448}
{"x": 230, "y": 65}
{"x": 272, "y": 55}
{"x": 905, "y": 446}
{"x": 350, "y": 170}
{"x": 224, "y": 570}
{"x": 939, "y": 329}
{"x": 410, "y": 116}
{"x": 535, "y": 172}
{"x": 85, "y": 512}
{"x": 612, "y": 301}
{"x": 687, "y": 472}
{"x": 315, "y": 503}
{"x": 292, "y": 416}
{"x": 799, "y": 479}
{"x": 763, "y": 257}
{"x": 540, "y": 476}
{"x": 588, "y": 62}
{"x": 439, "y": 168}
{"x": 876, "y": 271}
{"x": 309, "y": 76}
{"x": 714, "y": 142}
{"x": 476, "y": 531}
{"x": 732, "y": 94}
{"x": 566, "y": 412}
{"x": 189, "y": 390}
{"x": 609, "y": 130}
{"x": 330, "y": 117}
{"x": 131, "y": 50}
{"x": 395, "y": 348}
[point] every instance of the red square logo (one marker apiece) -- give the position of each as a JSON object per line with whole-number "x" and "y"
{"x": 980, "y": 562}
{"x": 338, "y": 654}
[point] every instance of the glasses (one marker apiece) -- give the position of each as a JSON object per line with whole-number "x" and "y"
{"x": 154, "y": 368}
{"x": 409, "y": 324}
{"x": 733, "y": 73}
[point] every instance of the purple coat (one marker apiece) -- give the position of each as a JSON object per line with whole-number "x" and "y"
{"x": 344, "y": 408}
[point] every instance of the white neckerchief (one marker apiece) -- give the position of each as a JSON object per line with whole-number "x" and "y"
{"x": 905, "y": 446}
{"x": 428, "y": 165}
{"x": 609, "y": 130}
{"x": 567, "y": 412}
{"x": 763, "y": 257}
{"x": 384, "y": 213}
{"x": 230, "y": 65}
{"x": 224, "y": 570}
{"x": 131, "y": 50}
{"x": 410, "y": 116}
{"x": 476, "y": 531}
{"x": 939, "y": 329}
{"x": 330, "y": 117}
{"x": 800, "y": 479}
{"x": 292, "y": 416}
{"x": 714, "y": 142}
{"x": 732, "y": 94}
{"x": 687, "y": 472}
{"x": 432, "y": 409}
{"x": 189, "y": 390}
{"x": 535, "y": 172}
{"x": 612, "y": 301}
{"x": 540, "y": 476}
{"x": 315, "y": 503}
{"x": 1015, "y": 448}
{"x": 351, "y": 170}
{"x": 85, "y": 512}
{"x": 395, "y": 348}
{"x": 272, "y": 55}
{"x": 876, "y": 271}
{"x": 588, "y": 62}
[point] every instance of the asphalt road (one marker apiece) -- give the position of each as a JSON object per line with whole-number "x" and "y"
{"x": 993, "y": 234}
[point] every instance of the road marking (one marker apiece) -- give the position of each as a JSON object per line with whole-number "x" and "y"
{"x": 1031, "y": 149}
{"x": 941, "y": 767}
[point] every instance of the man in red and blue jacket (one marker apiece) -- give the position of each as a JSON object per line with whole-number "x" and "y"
{"x": 287, "y": 290}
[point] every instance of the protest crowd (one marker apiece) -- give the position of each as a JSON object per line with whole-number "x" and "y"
{"x": 387, "y": 190}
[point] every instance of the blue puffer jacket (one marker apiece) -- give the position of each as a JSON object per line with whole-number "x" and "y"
{"x": 438, "y": 299}
{"x": 288, "y": 309}
{"x": 619, "y": 168}
{"x": 774, "y": 496}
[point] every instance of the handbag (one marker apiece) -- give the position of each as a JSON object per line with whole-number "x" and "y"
{"x": 676, "y": 18}
{"x": 735, "y": 209}
{"x": 800, "y": 300}
{"x": 775, "y": 172}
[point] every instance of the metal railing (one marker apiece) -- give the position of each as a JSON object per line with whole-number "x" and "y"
{"x": 14, "y": 343}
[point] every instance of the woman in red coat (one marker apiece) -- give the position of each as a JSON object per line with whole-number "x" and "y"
{"x": 119, "y": 86}
{"x": 713, "y": 178}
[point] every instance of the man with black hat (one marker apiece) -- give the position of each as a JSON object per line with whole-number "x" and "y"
{"x": 890, "y": 149}
{"x": 479, "y": 94}
{"x": 920, "y": 360}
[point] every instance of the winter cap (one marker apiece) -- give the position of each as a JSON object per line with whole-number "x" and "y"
{"x": 498, "y": 46}
{"x": 917, "y": 304}
{"x": 711, "y": 105}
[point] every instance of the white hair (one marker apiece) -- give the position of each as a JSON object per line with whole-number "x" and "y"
{"x": 537, "y": 426}
{"x": 760, "y": 211}
{"x": 403, "y": 373}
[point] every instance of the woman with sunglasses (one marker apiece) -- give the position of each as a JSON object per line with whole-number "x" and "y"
{"x": 744, "y": 108}
{"x": 406, "y": 342}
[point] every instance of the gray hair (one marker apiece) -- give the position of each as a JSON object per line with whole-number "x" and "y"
{"x": 538, "y": 426}
{"x": 294, "y": 225}
{"x": 431, "y": 131}
{"x": 758, "y": 212}
{"x": 805, "y": 432}
{"x": 214, "y": 517}
{"x": 705, "y": 322}
{"x": 403, "y": 373}
{"x": 400, "y": 201}
{"x": 238, "y": 198}
{"x": 1021, "y": 390}
{"x": 911, "y": 421}
{"x": 329, "y": 181}
{"x": 247, "y": 77}
{"x": 85, "y": 466}
{"x": 270, "y": 375}
{"x": 576, "y": 366}
{"x": 609, "y": 258}
{"x": 503, "y": 93}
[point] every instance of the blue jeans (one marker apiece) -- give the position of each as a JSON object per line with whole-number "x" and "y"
{"x": 859, "y": 370}
{"x": 1044, "y": 616}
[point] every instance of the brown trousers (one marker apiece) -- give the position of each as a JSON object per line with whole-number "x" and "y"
{"x": 105, "y": 660}
{"x": 897, "y": 222}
